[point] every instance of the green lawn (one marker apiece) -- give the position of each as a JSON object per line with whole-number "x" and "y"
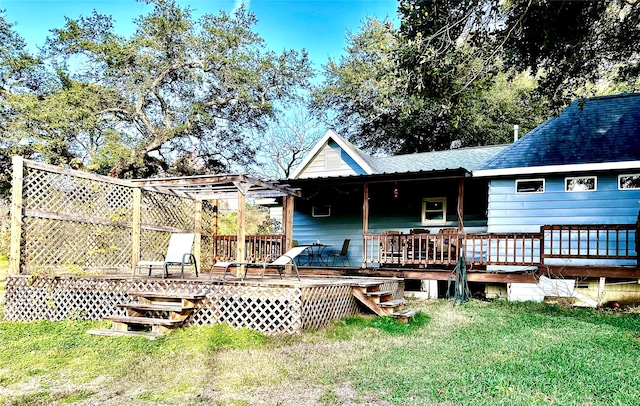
{"x": 475, "y": 354}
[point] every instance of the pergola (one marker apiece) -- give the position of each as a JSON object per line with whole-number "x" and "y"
{"x": 59, "y": 212}
{"x": 230, "y": 186}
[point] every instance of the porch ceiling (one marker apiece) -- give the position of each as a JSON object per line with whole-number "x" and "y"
{"x": 209, "y": 187}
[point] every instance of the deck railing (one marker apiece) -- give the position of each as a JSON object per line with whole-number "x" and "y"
{"x": 257, "y": 247}
{"x": 603, "y": 242}
{"x": 613, "y": 241}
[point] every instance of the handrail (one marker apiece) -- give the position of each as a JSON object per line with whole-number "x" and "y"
{"x": 257, "y": 247}
{"x": 608, "y": 241}
{"x": 603, "y": 242}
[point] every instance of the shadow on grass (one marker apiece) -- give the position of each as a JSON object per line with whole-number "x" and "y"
{"x": 347, "y": 327}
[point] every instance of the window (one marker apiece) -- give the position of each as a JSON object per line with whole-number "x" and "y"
{"x": 530, "y": 186}
{"x": 332, "y": 158}
{"x": 434, "y": 211}
{"x": 323, "y": 210}
{"x": 629, "y": 181}
{"x": 582, "y": 184}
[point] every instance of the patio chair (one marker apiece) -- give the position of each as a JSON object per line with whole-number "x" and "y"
{"x": 342, "y": 254}
{"x": 284, "y": 260}
{"x": 178, "y": 254}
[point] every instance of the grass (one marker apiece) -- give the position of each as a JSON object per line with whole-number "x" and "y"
{"x": 475, "y": 354}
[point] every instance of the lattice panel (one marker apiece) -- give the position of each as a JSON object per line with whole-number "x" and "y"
{"x": 394, "y": 285}
{"x": 65, "y": 194}
{"x": 324, "y": 304}
{"x": 166, "y": 210}
{"x": 66, "y": 245}
{"x": 208, "y": 217}
{"x": 272, "y": 310}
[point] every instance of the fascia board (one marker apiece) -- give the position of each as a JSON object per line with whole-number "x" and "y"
{"x": 535, "y": 170}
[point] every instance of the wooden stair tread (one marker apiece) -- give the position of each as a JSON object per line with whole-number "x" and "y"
{"x": 393, "y": 303}
{"x": 379, "y": 293}
{"x": 107, "y": 332}
{"x": 404, "y": 313}
{"x": 364, "y": 284}
{"x": 151, "y": 307}
{"x": 143, "y": 320}
{"x": 168, "y": 295}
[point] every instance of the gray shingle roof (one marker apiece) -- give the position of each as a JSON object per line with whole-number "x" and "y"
{"x": 596, "y": 130}
{"x": 467, "y": 158}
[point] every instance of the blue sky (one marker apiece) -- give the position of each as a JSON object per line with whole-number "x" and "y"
{"x": 319, "y": 26}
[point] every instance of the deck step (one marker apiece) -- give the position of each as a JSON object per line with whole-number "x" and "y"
{"x": 393, "y": 303}
{"x": 366, "y": 284}
{"x": 143, "y": 320}
{"x": 168, "y": 295}
{"x": 155, "y": 307}
{"x": 108, "y": 332}
{"x": 379, "y": 293}
{"x": 403, "y": 316}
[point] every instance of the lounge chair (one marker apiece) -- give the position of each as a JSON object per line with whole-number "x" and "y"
{"x": 178, "y": 254}
{"x": 342, "y": 254}
{"x": 284, "y": 260}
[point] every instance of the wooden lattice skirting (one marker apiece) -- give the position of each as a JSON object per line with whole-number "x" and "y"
{"x": 270, "y": 309}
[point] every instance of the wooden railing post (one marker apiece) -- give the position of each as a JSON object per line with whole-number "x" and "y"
{"x": 287, "y": 221}
{"x": 197, "y": 243}
{"x": 16, "y": 215}
{"x": 135, "y": 228}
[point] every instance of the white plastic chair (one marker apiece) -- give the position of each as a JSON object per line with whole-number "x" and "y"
{"x": 284, "y": 260}
{"x": 178, "y": 254}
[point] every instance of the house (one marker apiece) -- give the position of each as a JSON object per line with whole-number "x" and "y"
{"x": 579, "y": 169}
{"x": 347, "y": 194}
{"x": 561, "y": 202}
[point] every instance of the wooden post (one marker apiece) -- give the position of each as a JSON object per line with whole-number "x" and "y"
{"x": 135, "y": 229}
{"x": 16, "y": 215}
{"x": 215, "y": 241}
{"x": 197, "y": 243}
{"x": 460, "y": 205}
{"x": 240, "y": 249}
{"x": 287, "y": 221}
{"x": 365, "y": 222}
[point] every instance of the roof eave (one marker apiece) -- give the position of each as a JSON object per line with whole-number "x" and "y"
{"x": 538, "y": 170}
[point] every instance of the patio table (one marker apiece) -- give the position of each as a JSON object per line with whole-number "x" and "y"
{"x": 316, "y": 254}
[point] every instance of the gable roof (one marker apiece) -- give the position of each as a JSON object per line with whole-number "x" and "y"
{"x": 359, "y": 157}
{"x": 600, "y": 132}
{"x": 454, "y": 159}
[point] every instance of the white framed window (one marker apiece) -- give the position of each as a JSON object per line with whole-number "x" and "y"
{"x": 332, "y": 157}
{"x": 434, "y": 211}
{"x": 322, "y": 210}
{"x": 581, "y": 184}
{"x": 630, "y": 181}
{"x": 529, "y": 186}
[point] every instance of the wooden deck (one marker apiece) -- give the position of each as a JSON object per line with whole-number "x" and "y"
{"x": 273, "y": 305}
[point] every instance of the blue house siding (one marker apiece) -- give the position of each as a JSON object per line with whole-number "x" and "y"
{"x": 332, "y": 231}
{"x": 511, "y": 212}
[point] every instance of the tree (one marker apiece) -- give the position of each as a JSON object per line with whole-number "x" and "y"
{"x": 286, "y": 142}
{"x": 177, "y": 90}
{"x": 18, "y": 75}
{"x": 386, "y": 104}
{"x": 468, "y": 70}
{"x": 364, "y": 96}
{"x": 574, "y": 43}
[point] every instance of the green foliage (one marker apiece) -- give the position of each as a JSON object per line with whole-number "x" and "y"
{"x": 257, "y": 221}
{"x": 176, "y": 97}
{"x": 467, "y": 71}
